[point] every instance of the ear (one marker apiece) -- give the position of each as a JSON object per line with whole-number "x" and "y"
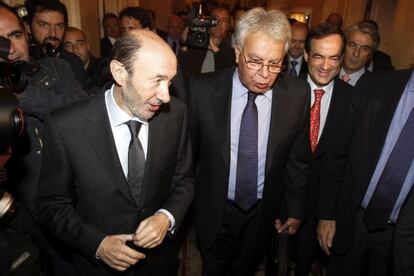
{"x": 27, "y": 28}
{"x": 118, "y": 72}
{"x": 305, "y": 56}
{"x": 237, "y": 51}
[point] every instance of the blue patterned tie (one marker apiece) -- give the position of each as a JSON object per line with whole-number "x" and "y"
{"x": 392, "y": 178}
{"x": 247, "y": 158}
{"x": 292, "y": 70}
{"x": 136, "y": 162}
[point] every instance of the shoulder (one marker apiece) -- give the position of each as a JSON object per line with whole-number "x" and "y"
{"x": 294, "y": 85}
{"x": 70, "y": 112}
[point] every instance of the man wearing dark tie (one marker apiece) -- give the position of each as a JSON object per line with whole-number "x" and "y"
{"x": 331, "y": 118}
{"x": 116, "y": 169}
{"x": 294, "y": 62}
{"x": 375, "y": 222}
{"x": 250, "y": 128}
{"x": 175, "y": 30}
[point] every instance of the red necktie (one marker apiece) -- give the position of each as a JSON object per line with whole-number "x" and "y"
{"x": 346, "y": 78}
{"x": 315, "y": 116}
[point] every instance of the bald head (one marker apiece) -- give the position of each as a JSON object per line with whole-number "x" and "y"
{"x": 335, "y": 18}
{"x": 75, "y": 42}
{"x": 299, "y": 32}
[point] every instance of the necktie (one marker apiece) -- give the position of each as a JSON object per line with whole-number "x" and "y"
{"x": 315, "y": 117}
{"x": 136, "y": 161}
{"x": 292, "y": 70}
{"x": 174, "y": 47}
{"x": 346, "y": 78}
{"x": 247, "y": 158}
{"x": 392, "y": 178}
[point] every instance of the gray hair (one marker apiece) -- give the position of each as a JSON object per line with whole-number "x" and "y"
{"x": 273, "y": 23}
{"x": 366, "y": 28}
{"x": 125, "y": 49}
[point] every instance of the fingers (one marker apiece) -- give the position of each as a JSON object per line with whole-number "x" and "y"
{"x": 291, "y": 226}
{"x": 151, "y": 232}
{"x": 114, "y": 252}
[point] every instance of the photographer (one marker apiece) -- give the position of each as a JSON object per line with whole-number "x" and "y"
{"x": 46, "y": 22}
{"x": 23, "y": 249}
{"x": 52, "y": 86}
{"x": 212, "y": 56}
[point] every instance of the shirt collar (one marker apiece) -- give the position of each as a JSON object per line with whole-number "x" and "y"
{"x": 117, "y": 116}
{"x": 327, "y": 88}
{"x": 239, "y": 90}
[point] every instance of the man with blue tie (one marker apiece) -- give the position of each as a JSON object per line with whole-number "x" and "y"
{"x": 294, "y": 61}
{"x": 376, "y": 210}
{"x": 250, "y": 130}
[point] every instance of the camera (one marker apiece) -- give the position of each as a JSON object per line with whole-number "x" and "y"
{"x": 14, "y": 74}
{"x": 198, "y": 35}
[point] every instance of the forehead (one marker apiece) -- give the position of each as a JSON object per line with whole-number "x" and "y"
{"x": 8, "y": 22}
{"x": 110, "y": 20}
{"x": 264, "y": 46}
{"x": 74, "y": 35}
{"x": 360, "y": 38}
{"x": 49, "y": 16}
{"x": 220, "y": 13}
{"x": 153, "y": 59}
{"x": 332, "y": 43}
{"x": 299, "y": 31}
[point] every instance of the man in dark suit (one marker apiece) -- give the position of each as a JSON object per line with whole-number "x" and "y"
{"x": 331, "y": 113}
{"x": 174, "y": 35}
{"x": 375, "y": 210}
{"x": 116, "y": 172}
{"x": 239, "y": 192}
{"x": 110, "y": 25}
{"x": 294, "y": 62}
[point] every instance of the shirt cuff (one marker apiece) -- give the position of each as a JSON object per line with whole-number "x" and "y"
{"x": 170, "y": 217}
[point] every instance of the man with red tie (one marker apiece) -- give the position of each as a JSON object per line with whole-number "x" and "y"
{"x": 330, "y": 119}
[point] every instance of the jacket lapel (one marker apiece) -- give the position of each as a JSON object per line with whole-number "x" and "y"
{"x": 221, "y": 105}
{"x": 98, "y": 132}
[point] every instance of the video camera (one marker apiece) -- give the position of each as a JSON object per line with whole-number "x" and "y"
{"x": 198, "y": 35}
{"x": 14, "y": 75}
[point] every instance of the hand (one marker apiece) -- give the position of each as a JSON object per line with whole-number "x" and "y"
{"x": 114, "y": 252}
{"x": 291, "y": 226}
{"x": 326, "y": 232}
{"x": 151, "y": 231}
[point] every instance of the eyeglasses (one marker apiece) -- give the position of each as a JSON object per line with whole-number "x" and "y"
{"x": 256, "y": 65}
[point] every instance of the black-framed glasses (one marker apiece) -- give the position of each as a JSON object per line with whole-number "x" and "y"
{"x": 257, "y": 65}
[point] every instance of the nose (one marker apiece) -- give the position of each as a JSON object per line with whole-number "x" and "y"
{"x": 325, "y": 64}
{"x": 163, "y": 94}
{"x": 12, "y": 48}
{"x": 52, "y": 31}
{"x": 356, "y": 51}
{"x": 264, "y": 72}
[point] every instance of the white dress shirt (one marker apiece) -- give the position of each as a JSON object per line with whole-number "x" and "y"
{"x": 298, "y": 66}
{"x": 122, "y": 137}
{"x": 325, "y": 101}
{"x": 354, "y": 77}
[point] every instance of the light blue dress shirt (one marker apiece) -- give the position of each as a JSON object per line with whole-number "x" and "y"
{"x": 264, "y": 108}
{"x": 405, "y": 105}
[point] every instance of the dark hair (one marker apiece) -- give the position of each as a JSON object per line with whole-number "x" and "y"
{"x": 321, "y": 31}
{"x": 34, "y": 6}
{"x": 366, "y": 28}
{"x": 138, "y": 13}
{"x": 125, "y": 49}
{"x": 108, "y": 16}
{"x": 13, "y": 11}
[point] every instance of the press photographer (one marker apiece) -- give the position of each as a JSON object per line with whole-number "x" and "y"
{"x": 46, "y": 22}
{"x": 208, "y": 44}
{"x": 23, "y": 249}
{"x": 50, "y": 84}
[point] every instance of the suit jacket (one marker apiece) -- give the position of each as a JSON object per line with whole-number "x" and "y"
{"x": 303, "y": 68}
{"x": 192, "y": 59}
{"x": 325, "y": 182}
{"x": 83, "y": 194}
{"x": 106, "y": 47}
{"x": 379, "y": 94}
{"x": 382, "y": 62}
{"x": 288, "y": 152}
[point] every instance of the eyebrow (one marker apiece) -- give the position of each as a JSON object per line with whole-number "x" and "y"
{"x": 257, "y": 57}
{"x": 15, "y": 32}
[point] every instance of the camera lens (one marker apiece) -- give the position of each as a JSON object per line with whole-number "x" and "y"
{"x": 200, "y": 37}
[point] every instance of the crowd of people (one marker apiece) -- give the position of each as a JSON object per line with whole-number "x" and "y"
{"x": 262, "y": 133}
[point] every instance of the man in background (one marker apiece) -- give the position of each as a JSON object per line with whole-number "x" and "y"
{"x": 110, "y": 24}
{"x": 294, "y": 62}
{"x": 133, "y": 18}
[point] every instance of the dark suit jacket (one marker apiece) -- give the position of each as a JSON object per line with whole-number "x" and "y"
{"x": 379, "y": 94}
{"x": 303, "y": 68}
{"x": 288, "y": 152}
{"x": 382, "y": 62}
{"x": 106, "y": 47}
{"x": 325, "y": 182}
{"x": 192, "y": 59}
{"x": 83, "y": 194}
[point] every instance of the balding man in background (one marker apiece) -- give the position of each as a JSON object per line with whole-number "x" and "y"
{"x": 294, "y": 62}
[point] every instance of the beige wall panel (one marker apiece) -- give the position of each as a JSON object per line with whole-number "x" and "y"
{"x": 89, "y": 14}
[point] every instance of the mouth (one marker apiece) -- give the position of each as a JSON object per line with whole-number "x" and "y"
{"x": 262, "y": 86}
{"x": 154, "y": 107}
